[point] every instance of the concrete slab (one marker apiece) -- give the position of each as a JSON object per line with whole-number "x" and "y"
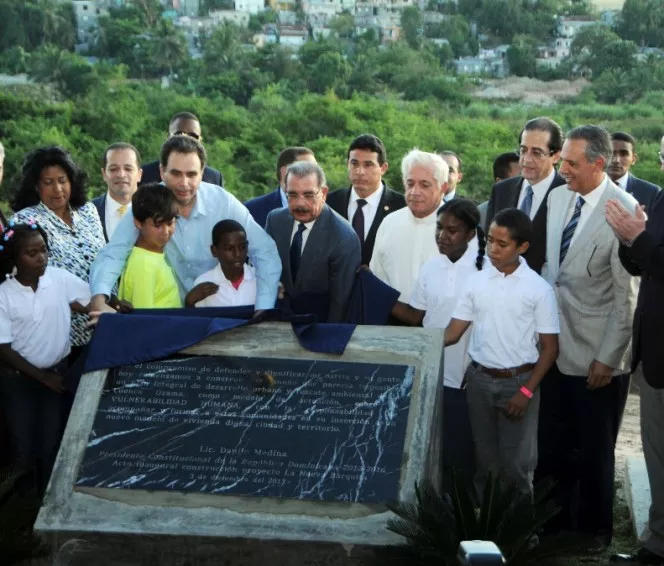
{"x": 165, "y": 532}
{"x": 637, "y": 493}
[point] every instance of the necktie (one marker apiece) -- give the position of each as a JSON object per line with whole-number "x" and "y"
{"x": 296, "y": 250}
{"x": 122, "y": 210}
{"x": 527, "y": 202}
{"x": 358, "y": 219}
{"x": 569, "y": 230}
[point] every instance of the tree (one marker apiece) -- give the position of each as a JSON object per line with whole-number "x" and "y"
{"x": 522, "y": 56}
{"x": 599, "y": 49}
{"x": 343, "y": 25}
{"x": 642, "y": 21}
{"x": 412, "y": 26}
{"x": 169, "y": 46}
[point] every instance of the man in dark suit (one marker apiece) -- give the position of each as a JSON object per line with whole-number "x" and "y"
{"x": 182, "y": 124}
{"x": 121, "y": 173}
{"x": 540, "y": 143}
{"x": 624, "y": 156}
{"x": 319, "y": 250}
{"x": 642, "y": 253}
{"x": 261, "y": 206}
{"x": 368, "y": 200}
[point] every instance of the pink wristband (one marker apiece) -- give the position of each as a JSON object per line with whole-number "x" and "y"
{"x": 527, "y": 392}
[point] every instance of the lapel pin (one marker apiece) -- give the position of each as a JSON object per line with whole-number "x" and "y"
{"x": 386, "y": 207}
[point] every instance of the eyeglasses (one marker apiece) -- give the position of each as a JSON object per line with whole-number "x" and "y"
{"x": 661, "y": 157}
{"x": 190, "y": 134}
{"x": 534, "y": 153}
{"x": 310, "y": 197}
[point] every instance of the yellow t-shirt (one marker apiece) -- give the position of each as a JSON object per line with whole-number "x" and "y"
{"x": 148, "y": 281}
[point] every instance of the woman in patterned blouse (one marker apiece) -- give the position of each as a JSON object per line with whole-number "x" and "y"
{"x": 52, "y": 191}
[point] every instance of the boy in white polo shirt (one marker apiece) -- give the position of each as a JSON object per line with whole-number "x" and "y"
{"x": 512, "y": 309}
{"x": 233, "y": 282}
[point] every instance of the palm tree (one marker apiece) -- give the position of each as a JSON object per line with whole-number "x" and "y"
{"x": 169, "y": 46}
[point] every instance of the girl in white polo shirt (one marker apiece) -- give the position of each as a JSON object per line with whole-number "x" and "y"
{"x": 513, "y": 343}
{"x": 35, "y": 316}
{"x": 439, "y": 286}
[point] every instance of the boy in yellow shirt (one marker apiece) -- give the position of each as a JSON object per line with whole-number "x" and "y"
{"x": 148, "y": 281}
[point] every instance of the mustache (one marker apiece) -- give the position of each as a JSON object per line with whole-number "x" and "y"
{"x": 301, "y": 210}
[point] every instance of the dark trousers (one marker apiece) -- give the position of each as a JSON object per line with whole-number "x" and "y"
{"x": 458, "y": 447}
{"x": 34, "y": 419}
{"x": 578, "y": 429}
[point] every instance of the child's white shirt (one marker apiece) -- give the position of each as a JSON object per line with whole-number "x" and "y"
{"x": 36, "y": 323}
{"x": 437, "y": 291}
{"x": 507, "y": 313}
{"x": 227, "y": 295}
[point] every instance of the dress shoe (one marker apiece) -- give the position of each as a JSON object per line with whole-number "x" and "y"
{"x": 643, "y": 557}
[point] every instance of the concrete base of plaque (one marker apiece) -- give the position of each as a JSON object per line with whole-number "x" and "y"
{"x": 195, "y": 463}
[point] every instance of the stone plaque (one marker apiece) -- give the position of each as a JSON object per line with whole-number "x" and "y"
{"x": 287, "y": 428}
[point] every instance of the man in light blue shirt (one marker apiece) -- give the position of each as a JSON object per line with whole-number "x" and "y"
{"x": 201, "y": 206}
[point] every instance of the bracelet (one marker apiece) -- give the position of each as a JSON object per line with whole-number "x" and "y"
{"x": 527, "y": 392}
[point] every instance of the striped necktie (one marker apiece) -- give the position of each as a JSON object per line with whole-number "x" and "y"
{"x": 568, "y": 232}
{"x": 527, "y": 202}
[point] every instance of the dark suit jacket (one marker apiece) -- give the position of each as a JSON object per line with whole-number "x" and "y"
{"x": 151, "y": 174}
{"x": 505, "y": 194}
{"x": 329, "y": 261}
{"x": 389, "y": 202}
{"x": 261, "y": 206}
{"x": 643, "y": 191}
{"x": 100, "y": 203}
{"x": 646, "y": 258}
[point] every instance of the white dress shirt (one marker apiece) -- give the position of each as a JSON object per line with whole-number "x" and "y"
{"x": 284, "y": 198}
{"x": 112, "y": 214}
{"x": 507, "y": 312}
{"x": 622, "y": 182}
{"x": 404, "y": 243}
{"x": 369, "y": 210}
{"x": 227, "y": 295}
{"x": 591, "y": 202}
{"x": 305, "y": 234}
{"x": 437, "y": 292}
{"x": 539, "y": 192}
{"x": 36, "y": 323}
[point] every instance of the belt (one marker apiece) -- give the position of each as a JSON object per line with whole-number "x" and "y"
{"x": 506, "y": 372}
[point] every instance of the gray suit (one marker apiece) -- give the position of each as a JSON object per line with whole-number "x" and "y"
{"x": 596, "y": 296}
{"x": 329, "y": 261}
{"x": 578, "y": 427}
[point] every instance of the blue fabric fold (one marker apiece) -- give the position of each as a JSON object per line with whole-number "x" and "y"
{"x": 152, "y": 334}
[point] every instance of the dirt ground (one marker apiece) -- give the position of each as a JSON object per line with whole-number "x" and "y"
{"x": 529, "y": 91}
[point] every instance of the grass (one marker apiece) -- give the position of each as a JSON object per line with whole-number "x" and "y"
{"x": 623, "y": 537}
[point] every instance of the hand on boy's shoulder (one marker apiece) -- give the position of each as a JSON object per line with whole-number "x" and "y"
{"x": 200, "y": 292}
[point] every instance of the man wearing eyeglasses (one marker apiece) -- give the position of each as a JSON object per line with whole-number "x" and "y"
{"x": 182, "y": 124}
{"x": 624, "y": 156}
{"x": 540, "y": 143}
{"x": 319, "y": 250}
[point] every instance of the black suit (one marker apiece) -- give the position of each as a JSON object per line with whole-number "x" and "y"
{"x": 643, "y": 191}
{"x": 646, "y": 258}
{"x": 505, "y": 194}
{"x": 151, "y": 174}
{"x": 100, "y": 203}
{"x": 390, "y": 201}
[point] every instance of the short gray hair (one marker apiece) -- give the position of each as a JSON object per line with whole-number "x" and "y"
{"x": 598, "y": 142}
{"x": 2, "y": 151}
{"x": 431, "y": 161}
{"x": 301, "y": 169}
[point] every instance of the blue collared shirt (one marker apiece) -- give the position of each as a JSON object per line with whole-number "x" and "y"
{"x": 188, "y": 251}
